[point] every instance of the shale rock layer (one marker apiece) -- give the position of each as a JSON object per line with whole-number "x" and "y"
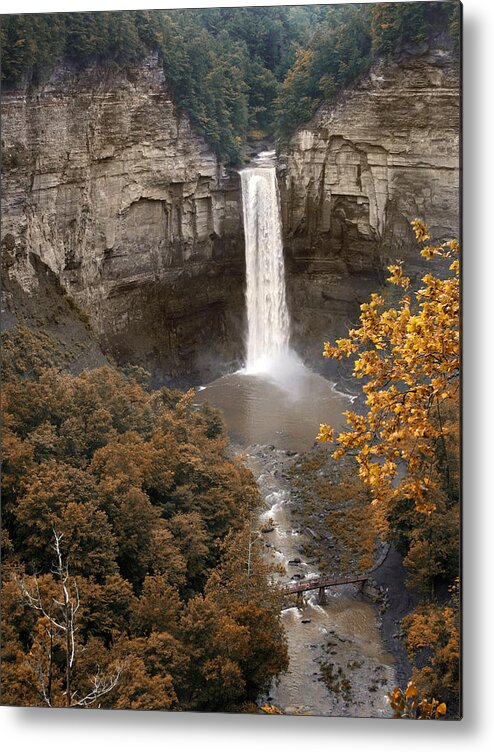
{"x": 109, "y": 186}
{"x": 352, "y": 180}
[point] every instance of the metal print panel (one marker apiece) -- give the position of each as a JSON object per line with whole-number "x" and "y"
{"x": 230, "y": 243}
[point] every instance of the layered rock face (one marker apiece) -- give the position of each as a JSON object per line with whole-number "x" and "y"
{"x": 109, "y": 188}
{"x": 108, "y": 185}
{"x": 353, "y": 179}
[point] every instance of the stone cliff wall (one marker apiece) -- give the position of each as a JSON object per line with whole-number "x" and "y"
{"x": 109, "y": 186}
{"x": 353, "y": 179}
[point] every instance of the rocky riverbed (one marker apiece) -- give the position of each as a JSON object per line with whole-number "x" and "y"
{"x": 315, "y": 519}
{"x": 338, "y": 662}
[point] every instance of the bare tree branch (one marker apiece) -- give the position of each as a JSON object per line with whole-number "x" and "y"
{"x": 102, "y": 685}
{"x": 69, "y": 605}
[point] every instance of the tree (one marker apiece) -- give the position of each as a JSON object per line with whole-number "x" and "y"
{"x": 409, "y": 704}
{"x": 57, "y": 625}
{"x": 297, "y": 99}
{"x": 140, "y": 690}
{"x": 62, "y": 497}
{"x": 407, "y": 449}
{"x": 155, "y": 673}
{"x": 143, "y": 495}
{"x": 432, "y": 639}
{"x": 243, "y": 588}
{"x": 134, "y": 523}
{"x": 215, "y": 645}
{"x": 406, "y": 443}
{"x": 190, "y": 535}
{"x": 108, "y": 608}
{"x": 159, "y": 606}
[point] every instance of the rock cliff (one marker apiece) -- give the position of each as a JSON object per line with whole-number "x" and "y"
{"x": 109, "y": 186}
{"x": 352, "y": 180}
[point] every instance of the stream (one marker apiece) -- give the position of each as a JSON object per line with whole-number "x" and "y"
{"x": 338, "y": 665}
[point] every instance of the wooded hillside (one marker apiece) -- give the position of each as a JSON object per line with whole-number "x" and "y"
{"x": 236, "y": 71}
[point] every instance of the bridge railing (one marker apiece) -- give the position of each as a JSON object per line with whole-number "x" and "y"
{"x": 323, "y": 582}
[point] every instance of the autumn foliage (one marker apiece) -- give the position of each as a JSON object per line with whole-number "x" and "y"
{"x": 432, "y": 639}
{"x": 409, "y": 357}
{"x": 406, "y": 444}
{"x": 152, "y": 519}
{"x": 409, "y": 704}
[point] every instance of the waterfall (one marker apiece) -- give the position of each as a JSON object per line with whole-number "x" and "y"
{"x": 267, "y": 313}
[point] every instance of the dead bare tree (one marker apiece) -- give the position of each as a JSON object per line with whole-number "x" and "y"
{"x": 59, "y": 621}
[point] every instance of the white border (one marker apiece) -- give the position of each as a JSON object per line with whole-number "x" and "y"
{"x": 80, "y": 731}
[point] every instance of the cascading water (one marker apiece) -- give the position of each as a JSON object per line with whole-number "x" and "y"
{"x": 267, "y": 313}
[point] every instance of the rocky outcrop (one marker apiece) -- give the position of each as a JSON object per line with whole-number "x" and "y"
{"x": 352, "y": 180}
{"x": 110, "y": 187}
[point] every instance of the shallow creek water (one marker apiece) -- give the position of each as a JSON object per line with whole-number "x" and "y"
{"x": 272, "y": 418}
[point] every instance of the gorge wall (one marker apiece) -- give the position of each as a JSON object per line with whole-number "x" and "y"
{"x": 106, "y": 184}
{"x": 109, "y": 188}
{"x": 352, "y": 180}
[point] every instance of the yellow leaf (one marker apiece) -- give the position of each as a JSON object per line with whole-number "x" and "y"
{"x": 411, "y": 691}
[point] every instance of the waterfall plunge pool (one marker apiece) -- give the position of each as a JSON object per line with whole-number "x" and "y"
{"x": 281, "y": 403}
{"x": 275, "y": 399}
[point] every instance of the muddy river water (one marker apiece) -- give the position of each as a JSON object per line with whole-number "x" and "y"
{"x": 338, "y": 665}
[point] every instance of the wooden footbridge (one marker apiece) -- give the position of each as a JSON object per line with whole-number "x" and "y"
{"x": 321, "y": 583}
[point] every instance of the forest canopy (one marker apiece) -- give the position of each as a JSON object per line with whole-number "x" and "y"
{"x": 236, "y": 71}
{"x": 124, "y": 502}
